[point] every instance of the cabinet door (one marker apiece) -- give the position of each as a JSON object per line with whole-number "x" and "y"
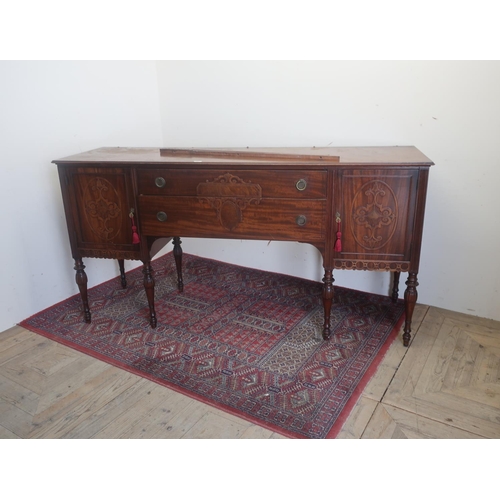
{"x": 98, "y": 204}
{"x": 376, "y": 209}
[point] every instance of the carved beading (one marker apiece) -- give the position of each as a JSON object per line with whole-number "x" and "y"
{"x": 110, "y": 254}
{"x": 371, "y": 265}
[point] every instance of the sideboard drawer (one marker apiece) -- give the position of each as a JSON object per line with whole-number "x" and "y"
{"x": 302, "y": 184}
{"x": 277, "y": 219}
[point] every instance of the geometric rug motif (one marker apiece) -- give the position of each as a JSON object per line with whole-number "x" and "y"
{"x": 243, "y": 340}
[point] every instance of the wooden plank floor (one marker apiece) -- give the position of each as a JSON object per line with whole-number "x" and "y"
{"x": 446, "y": 385}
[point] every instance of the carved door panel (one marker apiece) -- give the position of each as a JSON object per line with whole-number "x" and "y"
{"x": 376, "y": 211}
{"x": 102, "y": 200}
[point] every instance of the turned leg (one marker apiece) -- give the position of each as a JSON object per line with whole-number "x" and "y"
{"x": 395, "y": 286}
{"x": 81, "y": 281}
{"x": 178, "y": 262}
{"x": 410, "y": 301}
{"x": 149, "y": 286}
{"x": 327, "y": 301}
{"x": 121, "y": 263}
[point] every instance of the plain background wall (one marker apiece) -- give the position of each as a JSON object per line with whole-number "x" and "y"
{"x": 50, "y": 110}
{"x": 449, "y": 110}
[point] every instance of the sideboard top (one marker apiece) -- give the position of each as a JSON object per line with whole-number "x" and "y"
{"x": 381, "y": 155}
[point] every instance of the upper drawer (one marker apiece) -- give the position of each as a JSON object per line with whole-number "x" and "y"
{"x": 270, "y": 183}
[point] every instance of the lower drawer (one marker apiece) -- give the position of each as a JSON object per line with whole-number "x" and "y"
{"x": 274, "y": 219}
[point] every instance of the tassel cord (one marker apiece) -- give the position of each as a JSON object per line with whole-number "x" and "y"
{"x": 338, "y": 242}
{"x": 135, "y": 235}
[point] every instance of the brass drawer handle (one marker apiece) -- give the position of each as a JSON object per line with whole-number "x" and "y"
{"x": 301, "y": 220}
{"x": 160, "y": 182}
{"x": 161, "y": 216}
{"x": 301, "y": 184}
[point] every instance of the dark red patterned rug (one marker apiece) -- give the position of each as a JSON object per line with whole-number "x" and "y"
{"x": 243, "y": 340}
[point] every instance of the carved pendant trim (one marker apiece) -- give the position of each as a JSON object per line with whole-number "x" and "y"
{"x": 372, "y": 265}
{"x": 229, "y": 195}
{"x": 101, "y": 208}
{"x": 110, "y": 254}
{"x": 374, "y": 213}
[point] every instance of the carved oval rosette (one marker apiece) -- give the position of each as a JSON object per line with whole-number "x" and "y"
{"x": 101, "y": 203}
{"x": 374, "y": 214}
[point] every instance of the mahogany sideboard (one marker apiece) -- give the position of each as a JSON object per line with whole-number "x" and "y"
{"x": 362, "y": 208}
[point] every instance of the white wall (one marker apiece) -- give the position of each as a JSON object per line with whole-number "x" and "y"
{"x": 449, "y": 110}
{"x": 49, "y": 110}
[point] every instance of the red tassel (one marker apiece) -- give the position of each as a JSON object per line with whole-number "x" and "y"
{"x": 135, "y": 235}
{"x": 338, "y": 242}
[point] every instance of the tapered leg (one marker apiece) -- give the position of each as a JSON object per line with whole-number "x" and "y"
{"x": 327, "y": 301}
{"x": 395, "y": 286}
{"x": 178, "y": 262}
{"x": 411, "y": 296}
{"x": 149, "y": 286}
{"x": 121, "y": 263}
{"x": 81, "y": 281}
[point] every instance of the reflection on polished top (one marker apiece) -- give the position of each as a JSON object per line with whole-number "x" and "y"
{"x": 383, "y": 155}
